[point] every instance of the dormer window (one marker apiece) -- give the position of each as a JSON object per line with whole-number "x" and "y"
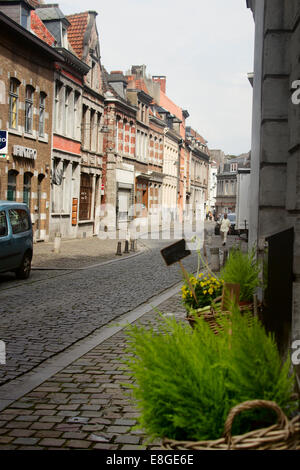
{"x": 93, "y": 75}
{"x": 25, "y": 15}
{"x": 64, "y": 38}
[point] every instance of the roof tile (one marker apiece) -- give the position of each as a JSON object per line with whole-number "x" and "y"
{"x": 77, "y": 30}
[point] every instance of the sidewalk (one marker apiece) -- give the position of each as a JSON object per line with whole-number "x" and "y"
{"x": 85, "y": 405}
{"x": 78, "y": 253}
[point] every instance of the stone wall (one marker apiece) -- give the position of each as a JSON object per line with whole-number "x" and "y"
{"x": 275, "y": 154}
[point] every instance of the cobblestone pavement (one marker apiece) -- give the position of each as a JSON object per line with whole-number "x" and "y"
{"x": 53, "y": 309}
{"x": 45, "y": 315}
{"x": 77, "y": 253}
{"x": 92, "y": 389}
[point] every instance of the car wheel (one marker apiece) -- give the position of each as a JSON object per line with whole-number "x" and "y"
{"x": 24, "y": 270}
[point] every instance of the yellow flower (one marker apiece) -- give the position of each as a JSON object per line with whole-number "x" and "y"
{"x": 204, "y": 292}
{"x": 201, "y": 274}
{"x": 210, "y": 291}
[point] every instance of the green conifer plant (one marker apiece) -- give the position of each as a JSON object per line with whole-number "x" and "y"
{"x": 187, "y": 380}
{"x": 243, "y": 269}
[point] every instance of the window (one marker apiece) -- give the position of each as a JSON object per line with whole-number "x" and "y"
{"x": 143, "y": 113}
{"x": 76, "y": 114}
{"x": 84, "y": 127}
{"x": 3, "y": 224}
{"x": 42, "y": 114}
{"x": 99, "y": 136}
{"x": 93, "y": 130}
{"x": 65, "y": 187}
{"x": 19, "y": 220}
{"x": 27, "y": 188}
{"x": 13, "y": 103}
{"x": 93, "y": 76}
{"x": 118, "y": 124}
{"x": 57, "y": 116}
{"x": 85, "y": 197}
{"x": 28, "y": 109}
{"x": 24, "y": 17}
{"x": 67, "y": 120}
{"x": 11, "y": 185}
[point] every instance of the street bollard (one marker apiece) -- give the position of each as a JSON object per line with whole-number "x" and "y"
{"x": 225, "y": 256}
{"x": 215, "y": 259}
{"x": 126, "y": 247}
{"x": 132, "y": 245}
{"x": 119, "y": 249}
{"x": 57, "y": 240}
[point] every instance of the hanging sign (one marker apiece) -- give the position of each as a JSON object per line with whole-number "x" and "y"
{"x": 3, "y": 143}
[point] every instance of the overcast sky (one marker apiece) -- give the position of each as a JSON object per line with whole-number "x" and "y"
{"x": 204, "y": 47}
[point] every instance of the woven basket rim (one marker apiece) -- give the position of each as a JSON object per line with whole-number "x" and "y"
{"x": 283, "y": 435}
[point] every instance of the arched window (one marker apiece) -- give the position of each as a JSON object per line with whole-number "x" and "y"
{"x": 29, "y": 109}
{"x": 13, "y": 103}
{"x": 11, "y": 185}
{"x": 27, "y": 188}
{"x": 42, "y": 106}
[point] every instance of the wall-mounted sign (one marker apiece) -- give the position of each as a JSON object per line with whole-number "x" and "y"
{"x": 3, "y": 142}
{"x": 25, "y": 152}
{"x": 74, "y": 210}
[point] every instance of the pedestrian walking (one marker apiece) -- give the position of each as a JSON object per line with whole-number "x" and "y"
{"x": 225, "y": 226}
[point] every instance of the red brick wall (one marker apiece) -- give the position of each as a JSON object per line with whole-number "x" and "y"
{"x": 40, "y": 29}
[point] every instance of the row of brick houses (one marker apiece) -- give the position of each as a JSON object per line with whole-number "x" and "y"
{"x": 81, "y": 139}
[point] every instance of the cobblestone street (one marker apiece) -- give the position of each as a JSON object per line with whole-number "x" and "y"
{"x": 90, "y": 389}
{"x": 54, "y": 310}
{"x": 43, "y": 317}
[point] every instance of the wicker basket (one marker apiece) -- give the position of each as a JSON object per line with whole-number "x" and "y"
{"x": 285, "y": 435}
{"x": 212, "y": 316}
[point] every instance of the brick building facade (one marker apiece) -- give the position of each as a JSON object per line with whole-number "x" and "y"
{"x": 26, "y": 82}
{"x": 84, "y": 39}
{"x": 99, "y": 138}
{"x": 198, "y": 180}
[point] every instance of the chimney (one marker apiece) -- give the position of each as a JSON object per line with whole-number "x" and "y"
{"x": 162, "y": 80}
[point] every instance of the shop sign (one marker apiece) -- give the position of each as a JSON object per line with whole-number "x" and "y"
{"x": 25, "y": 152}
{"x": 3, "y": 143}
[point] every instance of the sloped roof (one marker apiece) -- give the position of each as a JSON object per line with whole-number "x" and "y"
{"x": 76, "y": 31}
{"x": 140, "y": 85}
{"x": 50, "y": 13}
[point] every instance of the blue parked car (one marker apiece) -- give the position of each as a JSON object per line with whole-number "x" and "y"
{"x": 16, "y": 239}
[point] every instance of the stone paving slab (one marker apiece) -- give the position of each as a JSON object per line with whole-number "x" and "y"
{"x": 84, "y": 406}
{"x": 78, "y": 253}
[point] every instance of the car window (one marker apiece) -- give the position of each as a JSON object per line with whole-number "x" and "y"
{"x": 19, "y": 220}
{"x": 3, "y": 224}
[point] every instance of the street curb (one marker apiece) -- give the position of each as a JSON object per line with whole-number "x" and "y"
{"x": 17, "y": 388}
